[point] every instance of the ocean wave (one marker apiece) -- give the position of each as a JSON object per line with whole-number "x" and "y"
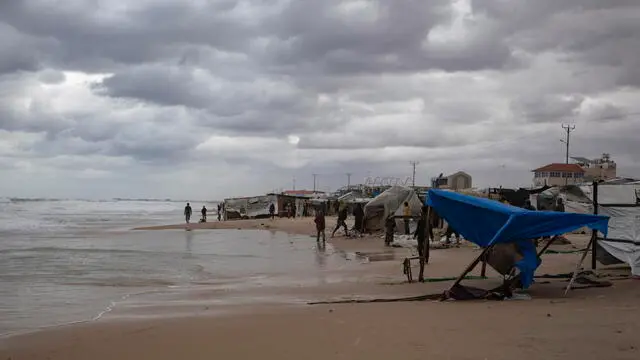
{"x": 45, "y": 249}
{"x": 118, "y": 282}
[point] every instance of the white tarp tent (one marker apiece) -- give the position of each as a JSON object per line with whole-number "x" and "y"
{"x": 390, "y": 203}
{"x": 250, "y": 207}
{"x": 622, "y": 204}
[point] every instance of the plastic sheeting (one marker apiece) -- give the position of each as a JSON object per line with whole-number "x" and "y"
{"x": 390, "y": 203}
{"x": 486, "y": 222}
{"x": 251, "y": 206}
{"x": 624, "y": 226}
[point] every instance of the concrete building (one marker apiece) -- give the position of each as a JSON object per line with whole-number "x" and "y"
{"x": 597, "y": 169}
{"x": 558, "y": 175}
{"x": 456, "y": 181}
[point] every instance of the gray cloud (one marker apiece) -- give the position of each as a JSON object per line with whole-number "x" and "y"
{"x": 185, "y": 90}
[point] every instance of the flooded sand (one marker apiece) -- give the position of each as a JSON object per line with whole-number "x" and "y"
{"x": 78, "y": 278}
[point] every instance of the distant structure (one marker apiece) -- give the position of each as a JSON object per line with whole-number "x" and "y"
{"x": 558, "y": 175}
{"x": 456, "y": 181}
{"x": 597, "y": 169}
{"x": 301, "y": 192}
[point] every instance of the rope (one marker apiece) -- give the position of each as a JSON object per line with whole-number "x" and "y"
{"x": 470, "y": 277}
{"x": 548, "y": 251}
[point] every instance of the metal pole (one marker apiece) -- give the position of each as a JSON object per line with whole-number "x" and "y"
{"x": 594, "y": 233}
{"x": 413, "y": 178}
{"x": 314, "y": 183}
{"x": 294, "y": 183}
{"x": 348, "y": 181}
{"x": 566, "y": 159}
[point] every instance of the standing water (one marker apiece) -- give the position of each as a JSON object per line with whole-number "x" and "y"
{"x": 64, "y": 261}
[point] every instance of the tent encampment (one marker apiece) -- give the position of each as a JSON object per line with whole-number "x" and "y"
{"x": 390, "y": 203}
{"x": 487, "y": 222}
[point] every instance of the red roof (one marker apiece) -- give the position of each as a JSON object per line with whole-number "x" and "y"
{"x": 574, "y": 168}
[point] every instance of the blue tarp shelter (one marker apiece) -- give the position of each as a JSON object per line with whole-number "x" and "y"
{"x": 487, "y": 222}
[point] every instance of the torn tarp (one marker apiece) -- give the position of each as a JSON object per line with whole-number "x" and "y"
{"x": 487, "y": 222}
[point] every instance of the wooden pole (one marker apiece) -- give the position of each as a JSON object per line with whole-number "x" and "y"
{"x": 575, "y": 272}
{"x": 594, "y": 233}
{"x": 428, "y": 241}
{"x": 470, "y": 268}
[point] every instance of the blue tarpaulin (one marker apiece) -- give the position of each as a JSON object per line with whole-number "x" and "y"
{"x": 486, "y": 222}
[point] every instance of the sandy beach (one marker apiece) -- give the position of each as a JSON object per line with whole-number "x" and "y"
{"x": 595, "y": 323}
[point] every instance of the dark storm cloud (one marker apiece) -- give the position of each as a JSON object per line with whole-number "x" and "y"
{"x": 316, "y": 39}
{"x": 599, "y": 33}
{"x": 547, "y": 108}
{"x": 92, "y": 32}
{"x": 385, "y": 81}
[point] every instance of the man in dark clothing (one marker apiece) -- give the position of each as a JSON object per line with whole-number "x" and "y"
{"x": 358, "y": 215}
{"x": 423, "y": 244}
{"x": 390, "y": 228}
{"x": 406, "y": 213}
{"x": 559, "y": 206}
{"x": 272, "y": 211}
{"x": 204, "y": 214}
{"x": 294, "y": 209}
{"x": 342, "y": 217}
{"x": 219, "y": 212}
{"x": 320, "y": 226}
{"x": 187, "y": 213}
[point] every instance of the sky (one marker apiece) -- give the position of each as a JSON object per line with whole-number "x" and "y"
{"x": 212, "y": 99}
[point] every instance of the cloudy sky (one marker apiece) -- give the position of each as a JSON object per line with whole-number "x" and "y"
{"x": 207, "y": 99}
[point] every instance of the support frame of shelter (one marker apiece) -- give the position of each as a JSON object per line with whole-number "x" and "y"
{"x": 505, "y": 233}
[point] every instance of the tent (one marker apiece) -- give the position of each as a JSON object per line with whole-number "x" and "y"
{"x": 488, "y": 222}
{"x": 249, "y": 207}
{"x": 390, "y": 203}
{"x": 621, "y": 202}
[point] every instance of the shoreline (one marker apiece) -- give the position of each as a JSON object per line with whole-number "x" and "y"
{"x": 549, "y": 325}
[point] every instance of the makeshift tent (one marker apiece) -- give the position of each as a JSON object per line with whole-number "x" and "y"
{"x": 621, "y": 202}
{"x": 250, "y": 207}
{"x": 488, "y": 222}
{"x": 391, "y": 203}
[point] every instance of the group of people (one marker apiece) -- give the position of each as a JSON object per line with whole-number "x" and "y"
{"x": 343, "y": 214}
{"x": 188, "y": 211}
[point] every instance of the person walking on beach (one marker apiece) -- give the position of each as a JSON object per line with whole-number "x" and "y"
{"x": 272, "y": 211}
{"x": 342, "y": 217}
{"x": 320, "y": 226}
{"x": 358, "y": 215}
{"x": 204, "y": 213}
{"x": 390, "y": 228}
{"x": 187, "y": 213}
{"x": 219, "y": 212}
{"x": 407, "y": 218}
{"x": 423, "y": 245}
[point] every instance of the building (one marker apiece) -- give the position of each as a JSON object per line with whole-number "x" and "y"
{"x": 558, "y": 175}
{"x": 455, "y": 181}
{"x": 303, "y": 193}
{"x": 597, "y": 169}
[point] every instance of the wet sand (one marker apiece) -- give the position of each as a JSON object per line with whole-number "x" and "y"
{"x": 596, "y": 323}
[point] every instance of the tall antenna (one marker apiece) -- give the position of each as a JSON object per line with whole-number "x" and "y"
{"x": 314, "y": 183}
{"x": 348, "y": 181}
{"x": 568, "y": 129}
{"x": 413, "y": 181}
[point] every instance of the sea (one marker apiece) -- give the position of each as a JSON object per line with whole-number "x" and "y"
{"x": 68, "y": 261}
